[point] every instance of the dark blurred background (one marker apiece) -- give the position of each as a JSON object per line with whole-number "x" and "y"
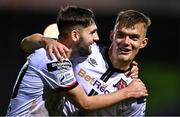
{"x": 158, "y": 62}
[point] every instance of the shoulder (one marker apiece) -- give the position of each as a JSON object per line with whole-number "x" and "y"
{"x": 39, "y": 57}
{"x": 94, "y": 46}
{"x": 92, "y": 60}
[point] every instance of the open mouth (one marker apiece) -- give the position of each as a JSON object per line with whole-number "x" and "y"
{"x": 124, "y": 50}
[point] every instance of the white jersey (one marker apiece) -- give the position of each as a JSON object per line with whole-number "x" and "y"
{"x": 38, "y": 73}
{"x": 97, "y": 76}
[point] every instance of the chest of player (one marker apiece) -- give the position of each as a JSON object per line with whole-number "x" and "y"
{"x": 99, "y": 78}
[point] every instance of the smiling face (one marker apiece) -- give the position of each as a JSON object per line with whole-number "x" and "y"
{"x": 126, "y": 42}
{"x": 87, "y": 36}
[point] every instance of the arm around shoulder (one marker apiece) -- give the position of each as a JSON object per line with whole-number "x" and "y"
{"x": 90, "y": 103}
{"x": 32, "y": 42}
{"x": 135, "y": 89}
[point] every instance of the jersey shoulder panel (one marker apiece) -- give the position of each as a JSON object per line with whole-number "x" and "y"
{"x": 58, "y": 75}
{"x": 39, "y": 57}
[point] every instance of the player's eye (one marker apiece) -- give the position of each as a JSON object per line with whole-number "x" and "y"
{"x": 120, "y": 35}
{"x": 134, "y": 37}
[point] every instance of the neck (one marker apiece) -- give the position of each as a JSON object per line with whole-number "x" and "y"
{"x": 70, "y": 45}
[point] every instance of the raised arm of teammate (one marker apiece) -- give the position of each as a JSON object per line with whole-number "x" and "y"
{"x": 37, "y": 40}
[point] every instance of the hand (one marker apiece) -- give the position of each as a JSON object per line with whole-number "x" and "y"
{"x": 136, "y": 89}
{"x": 56, "y": 48}
{"x": 133, "y": 72}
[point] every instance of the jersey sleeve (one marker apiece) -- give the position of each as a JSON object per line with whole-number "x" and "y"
{"x": 58, "y": 75}
{"x": 63, "y": 74}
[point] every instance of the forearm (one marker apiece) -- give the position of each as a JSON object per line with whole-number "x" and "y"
{"x": 32, "y": 42}
{"x": 105, "y": 100}
{"x": 136, "y": 89}
{"x": 90, "y": 103}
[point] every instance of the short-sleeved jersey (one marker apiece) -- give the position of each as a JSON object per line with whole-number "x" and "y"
{"x": 38, "y": 73}
{"x": 97, "y": 76}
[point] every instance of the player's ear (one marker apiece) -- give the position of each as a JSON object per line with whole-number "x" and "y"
{"x": 111, "y": 35}
{"x": 75, "y": 35}
{"x": 144, "y": 43}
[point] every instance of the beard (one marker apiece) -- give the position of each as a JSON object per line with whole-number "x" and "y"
{"x": 84, "y": 50}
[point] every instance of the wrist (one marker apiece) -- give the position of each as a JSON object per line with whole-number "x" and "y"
{"x": 126, "y": 92}
{"x": 43, "y": 41}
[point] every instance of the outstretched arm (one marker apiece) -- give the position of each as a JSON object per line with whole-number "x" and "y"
{"x": 32, "y": 42}
{"x": 37, "y": 40}
{"x": 135, "y": 89}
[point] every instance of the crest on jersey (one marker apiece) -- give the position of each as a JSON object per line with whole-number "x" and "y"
{"x": 92, "y": 61}
{"x": 121, "y": 84}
